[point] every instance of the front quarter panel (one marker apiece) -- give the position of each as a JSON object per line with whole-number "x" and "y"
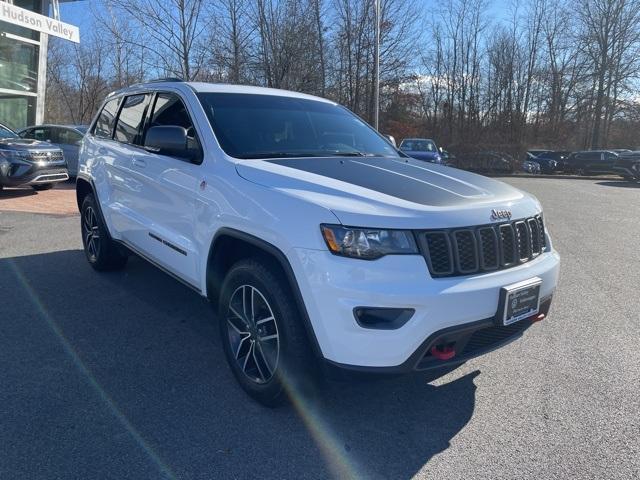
{"x": 271, "y": 215}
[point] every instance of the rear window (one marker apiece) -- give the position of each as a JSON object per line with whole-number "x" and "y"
{"x": 418, "y": 146}
{"x": 104, "y": 124}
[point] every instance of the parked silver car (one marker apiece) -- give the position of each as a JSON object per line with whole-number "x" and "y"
{"x": 67, "y": 137}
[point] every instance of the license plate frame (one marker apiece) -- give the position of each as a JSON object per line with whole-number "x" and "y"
{"x": 519, "y": 301}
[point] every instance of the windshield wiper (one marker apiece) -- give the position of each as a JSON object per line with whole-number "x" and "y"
{"x": 260, "y": 155}
{"x": 354, "y": 153}
{"x": 323, "y": 153}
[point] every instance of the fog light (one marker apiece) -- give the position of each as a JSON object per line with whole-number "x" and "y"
{"x": 382, "y": 318}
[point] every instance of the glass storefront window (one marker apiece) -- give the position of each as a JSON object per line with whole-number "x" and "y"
{"x": 34, "y": 6}
{"x": 19, "y": 59}
{"x": 18, "y": 64}
{"x": 16, "y": 111}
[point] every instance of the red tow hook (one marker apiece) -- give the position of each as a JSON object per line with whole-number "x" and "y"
{"x": 443, "y": 352}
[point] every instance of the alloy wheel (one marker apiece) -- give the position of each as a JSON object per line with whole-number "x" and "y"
{"x": 253, "y": 334}
{"x": 90, "y": 230}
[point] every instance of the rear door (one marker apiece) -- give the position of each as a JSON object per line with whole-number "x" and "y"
{"x": 609, "y": 160}
{"x": 165, "y": 194}
{"x": 69, "y": 141}
{"x": 129, "y": 213}
{"x": 107, "y": 164}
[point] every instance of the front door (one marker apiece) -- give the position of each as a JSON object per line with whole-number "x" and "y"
{"x": 166, "y": 196}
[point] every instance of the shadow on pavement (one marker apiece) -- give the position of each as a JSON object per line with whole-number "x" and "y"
{"x": 621, "y": 184}
{"x": 124, "y": 373}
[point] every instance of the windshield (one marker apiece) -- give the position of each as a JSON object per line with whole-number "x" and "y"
{"x": 6, "y": 133}
{"x": 418, "y": 146}
{"x": 265, "y": 126}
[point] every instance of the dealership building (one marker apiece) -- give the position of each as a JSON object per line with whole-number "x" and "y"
{"x": 25, "y": 27}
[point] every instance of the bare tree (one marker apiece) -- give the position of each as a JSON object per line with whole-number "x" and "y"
{"x": 172, "y": 31}
{"x": 610, "y": 33}
{"x": 233, "y": 41}
{"x": 556, "y": 74}
{"x": 76, "y": 80}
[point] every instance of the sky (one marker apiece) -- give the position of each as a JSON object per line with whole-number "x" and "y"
{"x": 79, "y": 12}
{"x": 76, "y": 13}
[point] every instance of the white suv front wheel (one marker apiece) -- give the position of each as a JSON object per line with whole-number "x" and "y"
{"x": 262, "y": 334}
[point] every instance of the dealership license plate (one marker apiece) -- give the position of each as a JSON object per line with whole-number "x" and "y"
{"x": 521, "y": 300}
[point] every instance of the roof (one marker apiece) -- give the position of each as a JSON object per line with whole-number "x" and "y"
{"x": 221, "y": 88}
{"x": 59, "y": 125}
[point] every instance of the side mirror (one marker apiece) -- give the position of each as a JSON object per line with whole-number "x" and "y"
{"x": 168, "y": 140}
{"x": 391, "y": 139}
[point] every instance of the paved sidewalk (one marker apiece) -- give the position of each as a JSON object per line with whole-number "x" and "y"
{"x": 61, "y": 200}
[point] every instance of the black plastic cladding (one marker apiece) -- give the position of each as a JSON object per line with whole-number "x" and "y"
{"x": 465, "y": 251}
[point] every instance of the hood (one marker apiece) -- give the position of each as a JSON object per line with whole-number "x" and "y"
{"x": 25, "y": 144}
{"x": 390, "y": 192}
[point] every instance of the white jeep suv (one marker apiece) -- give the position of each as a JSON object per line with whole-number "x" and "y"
{"x": 321, "y": 245}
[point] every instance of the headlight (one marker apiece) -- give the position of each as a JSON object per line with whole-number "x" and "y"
{"x": 368, "y": 243}
{"x": 13, "y": 155}
{"x": 4, "y": 167}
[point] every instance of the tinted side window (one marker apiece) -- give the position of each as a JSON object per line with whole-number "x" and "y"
{"x": 104, "y": 124}
{"x": 41, "y": 133}
{"x": 67, "y": 136}
{"x": 28, "y": 133}
{"x": 131, "y": 119}
{"x": 169, "y": 110}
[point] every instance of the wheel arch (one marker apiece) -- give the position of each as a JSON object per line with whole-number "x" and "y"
{"x": 229, "y": 246}
{"x": 84, "y": 187}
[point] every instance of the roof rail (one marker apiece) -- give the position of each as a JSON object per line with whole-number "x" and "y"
{"x": 167, "y": 79}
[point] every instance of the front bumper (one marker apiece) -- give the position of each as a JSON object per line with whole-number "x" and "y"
{"x": 631, "y": 172}
{"x": 23, "y": 174}
{"x": 332, "y": 287}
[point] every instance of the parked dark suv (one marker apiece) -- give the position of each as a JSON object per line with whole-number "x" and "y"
{"x": 591, "y": 162}
{"x": 29, "y": 162}
{"x": 67, "y": 137}
{"x": 552, "y": 161}
{"x": 628, "y": 166}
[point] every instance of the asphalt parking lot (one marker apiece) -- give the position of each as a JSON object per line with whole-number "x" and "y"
{"x": 121, "y": 375}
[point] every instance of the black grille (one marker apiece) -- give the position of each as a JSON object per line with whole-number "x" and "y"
{"x": 465, "y": 251}
{"x": 489, "y": 251}
{"x": 491, "y": 336}
{"x": 47, "y": 156}
{"x": 439, "y": 252}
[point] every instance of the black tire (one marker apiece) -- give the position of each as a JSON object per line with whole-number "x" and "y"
{"x": 102, "y": 253}
{"x": 274, "y": 371}
{"x": 42, "y": 186}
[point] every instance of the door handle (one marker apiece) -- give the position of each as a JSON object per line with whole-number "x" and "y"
{"x": 102, "y": 151}
{"x": 137, "y": 162}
